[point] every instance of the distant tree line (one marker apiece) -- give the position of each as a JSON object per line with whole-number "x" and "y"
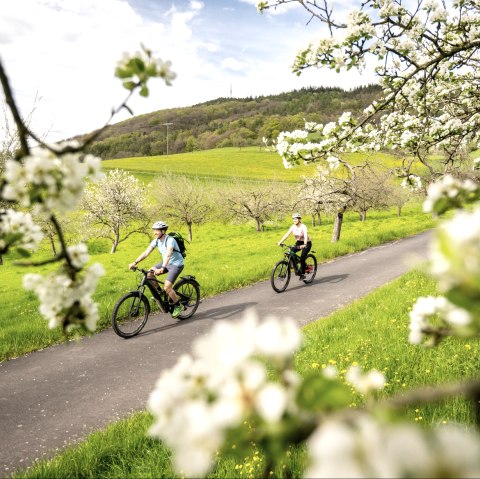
{"x": 227, "y": 122}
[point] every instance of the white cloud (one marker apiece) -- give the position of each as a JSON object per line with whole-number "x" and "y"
{"x": 66, "y": 51}
{"x": 232, "y": 64}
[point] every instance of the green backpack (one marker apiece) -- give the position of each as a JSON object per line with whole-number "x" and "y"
{"x": 182, "y": 249}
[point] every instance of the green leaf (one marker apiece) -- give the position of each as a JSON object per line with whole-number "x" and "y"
{"x": 318, "y": 393}
{"x": 129, "y": 85}
{"x": 24, "y": 253}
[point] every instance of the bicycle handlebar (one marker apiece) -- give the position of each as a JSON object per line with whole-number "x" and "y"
{"x": 144, "y": 271}
{"x": 283, "y": 245}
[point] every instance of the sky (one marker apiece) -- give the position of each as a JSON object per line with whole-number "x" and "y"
{"x": 60, "y": 56}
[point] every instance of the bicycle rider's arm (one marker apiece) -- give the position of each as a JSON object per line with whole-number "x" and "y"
{"x": 141, "y": 257}
{"x": 285, "y": 236}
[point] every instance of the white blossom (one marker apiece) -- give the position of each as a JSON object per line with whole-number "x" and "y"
{"x": 271, "y": 402}
{"x": 333, "y": 162}
{"x": 50, "y": 181}
{"x": 78, "y": 255}
{"x": 367, "y": 448}
{"x": 60, "y": 295}
{"x": 455, "y": 251}
{"x": 224, "y": 382}
{"x": 412, "y": 182}
{"x": 277, "y": 339}
{"x": 18, "y": 229}
{"x": 365, "y": 383}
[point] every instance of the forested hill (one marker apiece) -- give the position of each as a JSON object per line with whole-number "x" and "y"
{"x": 228, "y": 122}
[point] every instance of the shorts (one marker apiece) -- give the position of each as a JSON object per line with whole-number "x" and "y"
{"x": 173, "y": 272}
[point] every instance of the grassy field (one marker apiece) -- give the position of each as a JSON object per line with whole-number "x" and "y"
{"x": 251, "y": 163}
{"x": 222, "y": 257}
{"x": 372, "y": 331}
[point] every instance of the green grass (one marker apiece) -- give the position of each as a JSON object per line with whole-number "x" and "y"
{"x": 222, "y": 257}
{"x": 252, "y": 163}
{"x": 372, "y": 331}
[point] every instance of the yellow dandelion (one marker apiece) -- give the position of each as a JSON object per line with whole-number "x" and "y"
{"x": 467, "y": 346}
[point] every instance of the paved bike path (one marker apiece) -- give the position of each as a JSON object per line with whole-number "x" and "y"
{"x": 57, "y": 396}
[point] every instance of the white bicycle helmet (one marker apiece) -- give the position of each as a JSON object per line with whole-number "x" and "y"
{"x": 296, "y": 215}
{"x": 159, "y": 225}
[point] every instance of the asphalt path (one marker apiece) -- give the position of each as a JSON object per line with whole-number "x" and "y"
{"x": 57, "y": 396}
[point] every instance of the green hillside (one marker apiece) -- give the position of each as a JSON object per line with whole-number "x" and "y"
{"x": 228, "y": 122}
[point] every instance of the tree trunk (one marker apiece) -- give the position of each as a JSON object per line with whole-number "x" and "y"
{"x": 115, "y": 242}
{"x": 319, "y": 216}
{"x": 258, "y": 224}
{"x": 362, "y": 215}
{"x": 1, "y": 260}
{"x": 313, "y": 219}
{"x": 189, "y": 227}
{"x": 399, "y": 211}
{"x": 337, "y": 227}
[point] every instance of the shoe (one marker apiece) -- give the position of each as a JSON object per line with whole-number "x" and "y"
{"x": 302, "y": 276}
{"x": 177, "y": 310}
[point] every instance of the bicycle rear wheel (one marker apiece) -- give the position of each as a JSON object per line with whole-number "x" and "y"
{"x": 280, "y": 276}
{"x": 130, "y": 314}
{"x": 188, "y": 292}
{"x": 310, "y": 268}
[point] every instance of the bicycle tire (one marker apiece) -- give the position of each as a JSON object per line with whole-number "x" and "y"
{"x": 189, "y": 293}
{"x": 130, "y": 314}
{"x": 280, "y": 276}
{"x": 311, "y": 261}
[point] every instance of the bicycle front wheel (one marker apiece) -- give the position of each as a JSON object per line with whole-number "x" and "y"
{"x": 280, "y": 276}
{"x": 188, "y": 292}
{"x": 310, "y": 268}
{"x": 130, "y": 314}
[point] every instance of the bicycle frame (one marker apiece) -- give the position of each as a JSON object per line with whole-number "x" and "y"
{"x": 158, "y": 293}
{"x": 282, "y": 270}
{"x": 292, "y": 257}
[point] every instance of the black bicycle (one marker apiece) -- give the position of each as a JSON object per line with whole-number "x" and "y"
{"x": 282, "y": 271}
{"x": 131, "y": 311}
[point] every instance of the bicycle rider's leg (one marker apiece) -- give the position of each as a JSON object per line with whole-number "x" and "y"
{"x": 151, "y": 274}
{"x": 303, "y": 256}
{"x": 172, "y": 274}
{"x": 299, "y": 268}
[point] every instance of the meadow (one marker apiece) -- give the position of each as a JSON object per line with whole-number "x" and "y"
{"x": 249, "y": 163}
{"x": 222, "y": 257}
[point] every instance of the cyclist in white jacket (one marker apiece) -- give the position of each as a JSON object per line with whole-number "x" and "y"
{"x": 303, "y": 242}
